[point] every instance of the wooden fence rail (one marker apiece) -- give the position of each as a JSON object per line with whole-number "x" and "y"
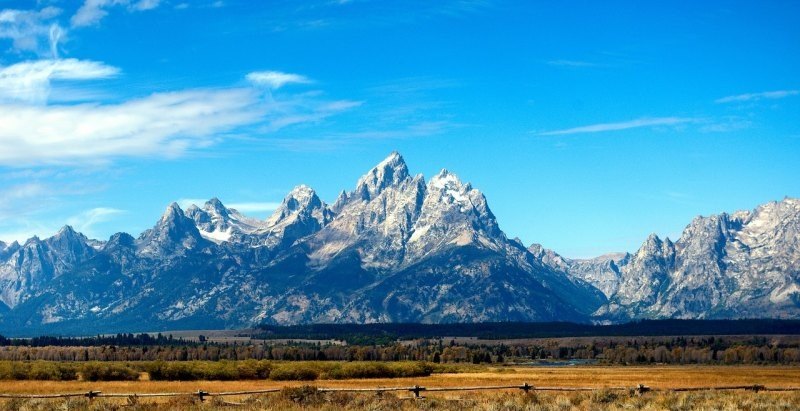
{"x": 417, "y": 390}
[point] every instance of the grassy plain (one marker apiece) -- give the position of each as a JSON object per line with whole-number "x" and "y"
{"x": 594, "y": 376}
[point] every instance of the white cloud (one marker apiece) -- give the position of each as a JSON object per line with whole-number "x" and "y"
{"x": 36, "y": 129}
{"x": 275, "y": 79}
{"x": 30, "y": 30}
{"x": 638, "y": 123}
{"x": 85, "y": 221}
{"x": 772, "y": 95}
{"x": 299, "y": 112}
{"x": 254, "y": 207}
{"x": 146, "y": 4}
{"x": 162, "y": 124}
{"x": 30, "y": 81}
{"x": 93, "y": 11}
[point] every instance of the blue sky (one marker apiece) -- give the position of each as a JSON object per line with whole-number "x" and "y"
{"x": 588, "y": 125}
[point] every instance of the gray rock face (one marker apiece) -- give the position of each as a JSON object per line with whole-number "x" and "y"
{"x": 395, "y": 248}
{"x": 723, "y": 266}
{"x": 26, "y": 269}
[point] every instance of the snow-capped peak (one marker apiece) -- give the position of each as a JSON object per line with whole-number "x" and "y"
{"x": 451, "y": 187}
{"x": 219, "y": 224}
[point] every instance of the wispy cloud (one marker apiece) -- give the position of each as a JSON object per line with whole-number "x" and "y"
{"x": 255, "y": 207}
{"x": 26, "y": 205}
{"x": 301, "y": 111}
{"x": 32, "y": 30}
{"x": 86, "y": 221}
{"x": 162, "y": 124}
{"x": 335, "y": 141}
{"x": 34, "y": 131}
{"x": 726, "y": 124}
{"x": 766, "y": 95}
{"x": 625, "y": 125}
{"x": 275, "y": 79}
{"x": 30, "y": 81}
{"x": 574, "y": 63}
{"x": 93, "y": 11}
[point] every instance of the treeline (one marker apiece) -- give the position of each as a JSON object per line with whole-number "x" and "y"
{"x": 378, "y": 334}
{"x": 100, "y": 340}
{"x": 209, "y": 370}
{"x": 615, "y": 350}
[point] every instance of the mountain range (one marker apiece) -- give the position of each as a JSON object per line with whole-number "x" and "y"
{"x": 397, "y": 248}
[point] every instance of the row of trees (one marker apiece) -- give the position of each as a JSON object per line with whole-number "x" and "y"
{"x": 100, "y": 340}
{"x": 632, "y": 351}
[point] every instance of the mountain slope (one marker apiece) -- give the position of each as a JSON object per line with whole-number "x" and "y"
{"x": 723, "y": 266}
{"x": 396, "y": 248}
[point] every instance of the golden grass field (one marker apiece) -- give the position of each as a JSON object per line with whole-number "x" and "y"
{"x": 594, "y": 376}
{"x": 591, "y": 376}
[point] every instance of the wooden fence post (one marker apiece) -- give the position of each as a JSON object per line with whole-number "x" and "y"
{"x": 641, "y": 389}
{"x": 201, "y": 394}
{"x": 91, "y": 394}
{"x": 416, "y": 390}
{"x": 525, "y": 387}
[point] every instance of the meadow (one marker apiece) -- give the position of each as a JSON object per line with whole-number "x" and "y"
{"x": 294, "y": 396}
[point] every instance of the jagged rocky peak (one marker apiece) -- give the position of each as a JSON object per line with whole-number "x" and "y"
{"x": 173, "y": 232}
{"x": 69, "y": 241}
{"x": 461, "y": 200}
{"x": 171, "y": 214}
{"x": 654, "y": 245}
{"x": 120, "y": 240}
{"x": 549, "y": 257}
{"x": 301, "y": 200}
{"x": 340, "y": 202}
{"x": 300, "y": 214}
{"x": 215, "y": 206}
{"x": 390, "y": 172}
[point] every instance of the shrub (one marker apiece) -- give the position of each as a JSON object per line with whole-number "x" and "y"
{"x": 52, "y": 371}
{"x": 108, "y": 371}
{"x": 380, "y": 370}
{"x": 37, "y": 370}
{"x": 207, "y": 370}
{"x": 253, "y": 370}
{"x": 294, "y": 372}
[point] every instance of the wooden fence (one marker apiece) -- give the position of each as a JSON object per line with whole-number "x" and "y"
{"x": 416, "y": 390}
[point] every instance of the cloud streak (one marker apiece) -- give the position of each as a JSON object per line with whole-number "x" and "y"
{"x": 625, "y": 125}
{"x": 766, "y": 95}
{"x": 29, "y": 30}
{"x": 85, "y": 221}
{"x": 162, "y": 124}
{"x": 93, "y": 11}
{"x": 30, "y": 81}
{"x": 33, "y": 131}
{"x": 574, "y": 63}
{"x": 275, "y": 79}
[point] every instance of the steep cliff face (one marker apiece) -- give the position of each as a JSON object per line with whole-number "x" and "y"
{"x": 395, "y": 248}
{"x": 723, "y": 266}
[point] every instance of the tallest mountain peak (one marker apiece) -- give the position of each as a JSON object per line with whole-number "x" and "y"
{"x": 389, "y": 172}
